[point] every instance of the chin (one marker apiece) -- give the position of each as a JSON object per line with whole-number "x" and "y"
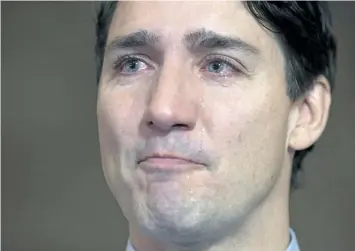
{"x": 172, "y": 231}
{"x": 178, "y": 222}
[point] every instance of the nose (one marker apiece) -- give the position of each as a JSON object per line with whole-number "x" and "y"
{"x": 173, "y": 104}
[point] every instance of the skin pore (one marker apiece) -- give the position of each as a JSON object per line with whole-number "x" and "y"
{"x": 203, "y": 81}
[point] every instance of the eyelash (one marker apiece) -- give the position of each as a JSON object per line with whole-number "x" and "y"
{"x": 212, "y": 58}
{"x": 122, "y": 60}
{"x": 119, "y": 63}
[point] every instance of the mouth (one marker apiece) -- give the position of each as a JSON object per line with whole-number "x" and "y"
{"x": 168, "y": 163}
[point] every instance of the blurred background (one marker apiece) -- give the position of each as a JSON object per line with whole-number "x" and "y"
{"x": 54, "y": 196}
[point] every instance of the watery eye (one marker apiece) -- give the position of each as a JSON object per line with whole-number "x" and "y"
{"x": 216, "y": 66}
{"x": 132, "y": 65}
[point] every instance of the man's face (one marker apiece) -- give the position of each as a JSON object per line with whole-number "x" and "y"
{"x": 202, "y": 81}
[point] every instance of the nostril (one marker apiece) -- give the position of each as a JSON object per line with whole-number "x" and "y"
{"x": 180, "y": 126}
{"x": 150, "y": 123}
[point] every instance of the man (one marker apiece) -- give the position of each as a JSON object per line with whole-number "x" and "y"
{"x": 205, "y": 112}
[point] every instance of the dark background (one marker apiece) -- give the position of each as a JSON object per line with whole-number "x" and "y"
{"x": 54, "y": 196}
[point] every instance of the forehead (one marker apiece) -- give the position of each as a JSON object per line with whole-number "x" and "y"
{"x": 173, "y": 20}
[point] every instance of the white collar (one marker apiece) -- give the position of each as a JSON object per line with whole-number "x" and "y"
{"x": 292, "y": 246}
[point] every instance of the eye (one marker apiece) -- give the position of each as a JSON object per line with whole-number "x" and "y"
{"x": 217, "y": 66}
{"x": 220, "y": 66}
{"x": 130, "y": 65}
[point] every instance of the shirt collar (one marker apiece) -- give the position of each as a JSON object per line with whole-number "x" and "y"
{"x": 292, "y": 246}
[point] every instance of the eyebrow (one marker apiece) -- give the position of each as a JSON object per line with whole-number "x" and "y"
{"x": 141, "y": 38}
{"x": 194, "y": 41}
{"x": 206, "y": 39}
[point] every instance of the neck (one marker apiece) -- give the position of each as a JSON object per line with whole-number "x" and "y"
{"x": 266, "y": 228}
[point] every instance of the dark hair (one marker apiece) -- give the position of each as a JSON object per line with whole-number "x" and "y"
{"x": 303, "y": 30}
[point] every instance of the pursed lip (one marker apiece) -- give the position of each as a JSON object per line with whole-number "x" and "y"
{"x": 168, "y": 162}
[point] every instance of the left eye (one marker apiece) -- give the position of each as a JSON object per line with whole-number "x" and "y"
{"x": 218, "y": 66}
{"x": 221, "y": 66}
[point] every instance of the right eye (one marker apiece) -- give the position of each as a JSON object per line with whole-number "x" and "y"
{"x": 130, "y": 65}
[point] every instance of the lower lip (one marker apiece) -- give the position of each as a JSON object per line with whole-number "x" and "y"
{"x": 168, "y": 165}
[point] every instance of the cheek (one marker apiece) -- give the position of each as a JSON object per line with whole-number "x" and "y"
{"x": 250, "y": 132}
{"x": 230, "y": 117}
{"x": 118, "y": 118}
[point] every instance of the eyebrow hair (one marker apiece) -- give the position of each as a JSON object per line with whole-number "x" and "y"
{"x": 194, "y": 41}
{"x": 207, "y": 39}
{"x": 139, "y": 38}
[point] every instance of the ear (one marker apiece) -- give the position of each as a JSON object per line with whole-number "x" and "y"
{"x": 309, "y": 115}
